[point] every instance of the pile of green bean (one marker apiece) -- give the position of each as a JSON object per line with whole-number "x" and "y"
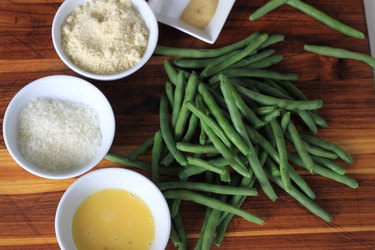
{"x": 229, "y": 124}
{"x": 311, "y": 11}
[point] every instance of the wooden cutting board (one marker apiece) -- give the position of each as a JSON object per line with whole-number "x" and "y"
{"x": 28, "y": 203}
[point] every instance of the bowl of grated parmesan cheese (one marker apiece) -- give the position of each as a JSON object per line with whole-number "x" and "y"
{"x": 58, "y": 127}
{"x": 105, "y": 39}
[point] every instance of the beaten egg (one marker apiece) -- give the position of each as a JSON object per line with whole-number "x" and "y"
{"x": 113, "y": 219}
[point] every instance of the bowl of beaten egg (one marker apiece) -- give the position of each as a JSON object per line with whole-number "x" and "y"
{"x": 105, "y": 39}
{"x": 58, "y": 127}
{"x": 112, "y": 208}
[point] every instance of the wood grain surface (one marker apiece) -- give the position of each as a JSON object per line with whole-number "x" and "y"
{"x": 28, "y": 203}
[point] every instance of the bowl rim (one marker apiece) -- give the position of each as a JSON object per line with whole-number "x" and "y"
{"x": 74, "y": 187}
{"x": 153, "y": 29}
{"x": 47, "y": 174}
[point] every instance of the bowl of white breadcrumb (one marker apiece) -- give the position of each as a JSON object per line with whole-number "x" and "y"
{"x": 105, "y": 39}
{"x": 54, "y": 131}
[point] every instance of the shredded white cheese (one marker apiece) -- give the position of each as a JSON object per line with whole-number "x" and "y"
{"x": 105, "y": 36}
{"x": 57, "y": 135}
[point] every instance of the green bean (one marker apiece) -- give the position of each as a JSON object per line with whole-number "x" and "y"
{"x": 303, "y": 200}
{"x": 117, "y": 158}
{"x": 178, "y": 96}
{"x": 196, "y": 148}
{"x": 180, "y": 228}
{"x": 167, "y": 133}
{"x": 207, "y": 214}
{"x": 235, "y": 115}
{"x": 202, "y": 134}
{"x": 340, "y": 53}
{"x": 295, "y": 138}
{"x": 301, "y": 183}
{"x": 222, "y": 121}
{"x": 269, "y": 135}
{"x": 167, "y": 160}
{"x": 218, "y": 61}
{"x": 271, "y": 116}
{"x": 273, "y": 39}
{"x": 192, "y": 161}
{"x": 236, "y": 201}
{"x": 329, "y": 146}
{"x": 169, "y": 91}
{"x": 222, "y": 227}
{"x": 227, "y": 90}
{"x": 274, "y": 170}
{"x": 224, "y": 173}
{"x": 265, "y": 9}
{"x": 281, "y": 103}
{"x": 193, "y": 64}
{"x": 190, "y": 171}
{"x": 252, "y": 58}
{"x": 210, "y": 223}
{"x": 246, "y": 112}
{"x": 274, "y": 155}
{"x": 156, "y": 150}
{"x": 171, "y": 72}
{"x": 293, "y": 90}
{"x": 346, "y": 180}
{"x": 215, "y": 68}
{"x": 183, "y": 115}
{"x": 174, "y": 236}
{"x": 307, "y": 119}
{"x": 220, "y": 161}
{"x": 192, "y": 126}
{"x": 318, "y": 120}
{"x": 212, "y": 203}
{"x": 218, "y": 98}
{"x": 261, "y": 87}
{"x": 258, "y": 73}
{"x": 319, "y": 151}
{"x": 277, "y": 86}
{"x": 209, "y": 232}
{"x": 141, "y": 149}
{"x": 204, "y": 53}
{"x": 281, "y": 147}
{"x": 263, "y": 142}
{"x": 206, "y": 187}
{"x": 210, "y": 122}
{"x": 175, "y": 206}
{"x": 263, "y": 157}
{"x": 328, "y": 164}
{"x": 265, "y": 110}
{"x": 262, "y": 177}
{"x": 185, "y": 73}
{"x": 276, "y": 91}
{"x": 324, "y": 18}
{"x": 267, "y": 62}
{"x": 225, "y": 152}
{"x": 285, "y": 121}
{"x": 199, "y": 63}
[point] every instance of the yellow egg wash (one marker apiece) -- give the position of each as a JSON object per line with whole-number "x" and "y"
{"x": 113, "y": 219}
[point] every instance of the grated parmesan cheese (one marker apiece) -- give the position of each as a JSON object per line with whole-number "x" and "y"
{"x": 105, "y": 36}
{"x": 58, "y": 135}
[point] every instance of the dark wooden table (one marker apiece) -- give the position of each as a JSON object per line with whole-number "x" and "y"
{"x": 28, "y": 203}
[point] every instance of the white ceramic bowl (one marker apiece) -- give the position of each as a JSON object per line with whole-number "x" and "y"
{"x": 68, "y": 6}
{"x": 66, "y": 88}
{"x": 112, "y": 178}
